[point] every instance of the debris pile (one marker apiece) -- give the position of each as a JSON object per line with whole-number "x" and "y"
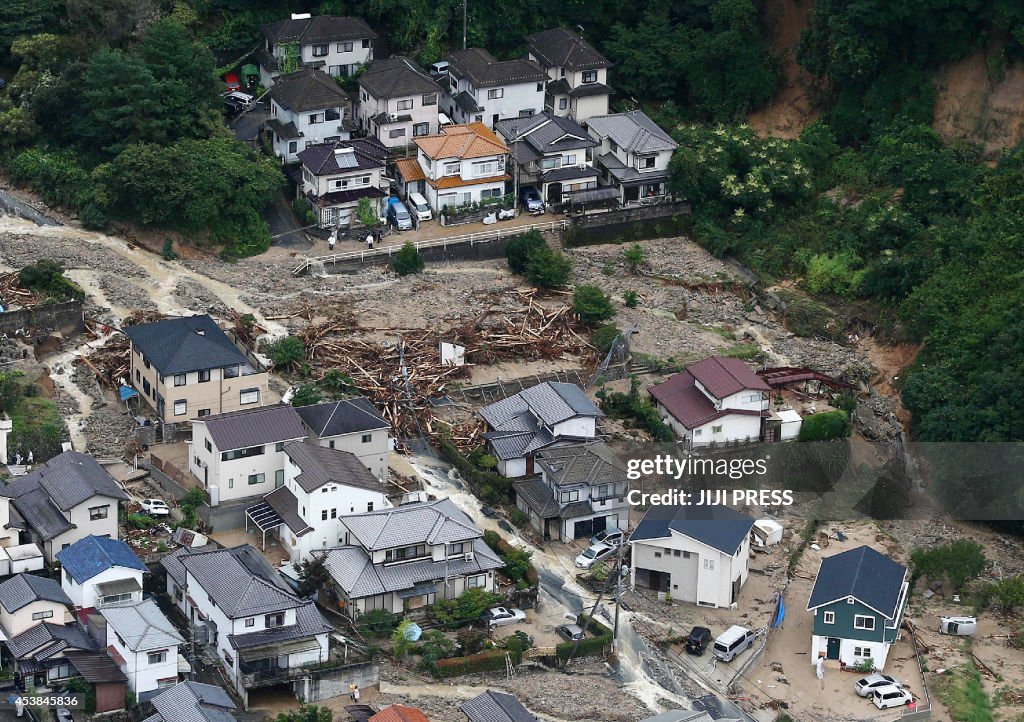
{"x": 11, "y": 294}
{"x": 111, "y": 362}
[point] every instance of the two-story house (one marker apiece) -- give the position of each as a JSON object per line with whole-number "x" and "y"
{"x": 554, "y": 153}
{"x": 397, "y": 102}
{"x": 175, "y": 574}
{"x": 99, "y": 572}
{"x": 193, "y": 701}
{"x": 484, "y": 90}
{"x": 336, "y": 176}
{"x": 41, "y": 653}
{"x": 143, "y": 643}
{"x": 188, "y": 368}
{"x": 336, "y": 45}
{"x": 408, "y": 557}
{"x": 307, "y": 107}
{"x": 261, "y": 632}
{"x": 240, "y": 455}
{"x": 716, "y": 400}
{"x": 548, "y": 414}
{"x": 27, "y": 600}
{"x": 581, "y": 490}
{"x": 62, "y": 501}
{"x": 577, "y": 84}
{"x": 698, "y": 554}
{"x": 320, "y": 486}
{"x": 460, "y": 164}
{"x": 633, "y": 154}
{"x": 353, "y": 425}
{"x": 858, "y": 600}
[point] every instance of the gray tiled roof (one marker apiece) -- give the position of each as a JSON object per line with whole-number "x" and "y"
{"x": 285, "y": 131}
{"x": 483, "y": 70}
{"x": 253, "y": 427}
{"x": 308, "y": 89}
{"x": 193, "y": 702}
{"x": 358, "y": 154}
{"x": 545, "y": 133}
{"x": 591, "y": 464}
{"x": 41, "y": 514}
{"x": 633, "y": 131}
{"x": 319, "y": 29}
{"x": 321, "y": 465}
{"x": 628, "y": 174}
{"x": 68, "y": 479}
{"x": 240, "y": 581}
{"x": 466, "y": 102}
{"x": 179, "y": 345}
{"x": 438, "y": 522}
{"x": 561, "y": 47}
{"x": 286, "y": 506}
{"x": 538, "y": 496}
{"x": 172, "y": 562}
{"x": 308, "y": 623}
{"x": 44, "y": 640}
{"x": 552, "y": 402}
{"x": 587, "y": 90}
{"x": 23, "y": 589}
{"x": 396, "y": 78}
{"x": 142, "y": 626}
{"x": 492, "y": 706}
{"x": 569, "y": 173}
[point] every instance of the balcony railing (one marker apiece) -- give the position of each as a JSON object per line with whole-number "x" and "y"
{"x": 264, "y": 677}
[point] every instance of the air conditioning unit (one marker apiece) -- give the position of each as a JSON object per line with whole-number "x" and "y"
{"x": 392, "y": 117}
{"x": 468, "y": 556}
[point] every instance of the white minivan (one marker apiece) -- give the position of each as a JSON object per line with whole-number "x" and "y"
{"x": 732, "y": 642}
{"x": 419, "y": 206}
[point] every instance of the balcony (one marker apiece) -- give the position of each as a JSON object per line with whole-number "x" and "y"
{"x": 276, "y": 675}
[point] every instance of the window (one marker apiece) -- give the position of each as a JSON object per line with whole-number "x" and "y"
{"x": 526, "y": 113}
{"x": 589, "y": 76}
{"x": 345, "y": 47}
{"x": 250, "y": 622}
{"x": 332, "y": 114}
{"x": 698, "y": 432}
{"x": 138, "y": 376}
{"x": 570, "y": 160}
{"x": 166, "y": 682}
{"x": 563, "y": 103}
{"x": 456, "y": 549}
{"x": 612, "y": 145}
{"x": 405, "y": 553}
{"x": 676, "y": 552}
{"x": 686, "y": 555}
{"x": 279, "y": 477}
{"x": 476, "y": 582}
{"x": 421, "y": 129}
{"x": 257, "y": 479}
{"x": 495, "y": 93}
{"x": 861, "y": 621}
{"x": 716, "y": 429}
{"x": 570, "y": 496}
{"x": 315, "y": 118}
{"x": 862, "y": 652}
{"x": 334, "y": 513}
{"x": 336, "y": 71}
{"x": 709, "y": 565}
{"x": 369, "y": 506}
{"x": 485, "y": 168}
{"x": 828, "y": 617}
{"x": 180, "y": 407}
{"x": 98, "y": 512}
{"x": 241, "y": 453}
{"x": 279, "y": 446}
{"x": 323, "y": 514}
{"x": 490, "y": 193}
{"x": 42, "y": 615}
{"x": 275, "y": 620}
{"x": 396, "y": 133}
{"x": 550, "y": 163}
{"x": 452, "y": 168}
{"x": 157, "y": 657}
{"x": 249, "y": 396}
{"x": 179, "y": 379}
{"x": 229, "y": 659}
{"x": 604, "y": 491}
{"x": 116, "y": 599}
{"x": 540, "y": 87}
{"x": 293, "y": 146}
{"x": 657, "y": 555}
{"x": 366, "y": 42}
{"x": 321, "y": 50}
{"x": 367, "y": 438}
{"x": 146, "y": 362}
{"x": 430, "y": 99}
{"x": 405, "y": 104}
{"x": 203, "y": 412}
{"x": 647, "y": 162}
{"x": 204, "y": 376}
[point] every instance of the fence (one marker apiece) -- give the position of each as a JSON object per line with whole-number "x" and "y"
{"x": 920, "y": 712}
{"x": 500, "y": 389}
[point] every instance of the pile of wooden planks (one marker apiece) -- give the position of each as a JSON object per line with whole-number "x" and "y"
{"x": 111, "y": 362}
{"x": 11, "y": 294}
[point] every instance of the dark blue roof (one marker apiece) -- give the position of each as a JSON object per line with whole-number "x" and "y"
{"x": 862, "y": 573}
{"x": 719, "y": 527}
{"x": 179, "y": 345}
{"x": 94, "y": 554}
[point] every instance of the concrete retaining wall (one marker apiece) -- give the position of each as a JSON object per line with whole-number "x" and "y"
{"x": 335, "y": 682}
{"x": 66, "y": 317}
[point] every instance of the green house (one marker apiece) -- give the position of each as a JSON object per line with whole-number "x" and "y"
{"x": 857, "y": 601}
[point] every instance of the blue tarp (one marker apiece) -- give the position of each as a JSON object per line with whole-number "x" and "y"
{"x": 780, "y": 614}
{"x": 413, "y": 632}
{"x": 127, "y": 392}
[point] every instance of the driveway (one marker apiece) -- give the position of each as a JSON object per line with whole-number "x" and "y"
{"x": 247, "y": 125}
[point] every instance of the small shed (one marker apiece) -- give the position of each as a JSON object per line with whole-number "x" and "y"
{"x": 791, "y": 423}
{"x": 766, "y": 532}
{"x": 21, "y": 558}
{"x": 99, "y": 670}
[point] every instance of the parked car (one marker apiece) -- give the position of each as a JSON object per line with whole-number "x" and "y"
{"x": 530, "y": 198}
{"x": 611, "y": 537}
{"x": 697, "y": 640}
{"x": 866, "y": 686}
{"x": 231, "y": 82}
{"x": 500, "y": 616}
{"x": 360, "y": 712}
{"x": 891, "y": 696}
{"x": 398, "y": 215}
{"x": 570, "y": 632}
{"x": 155, "y": 507}
{"x": 733, "y": 642}
{"x": 62, "y": 714}
{"x": 238, "y": 99}
{"x": 593, "y": 554}
{"x": 418, "y": 204}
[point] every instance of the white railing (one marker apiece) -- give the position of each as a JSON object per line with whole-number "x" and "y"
{"x": 486, "y": 236}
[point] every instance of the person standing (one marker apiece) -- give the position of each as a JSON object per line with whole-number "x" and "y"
{"x": 369, "y": 241}
{"x": 355, "y": 694}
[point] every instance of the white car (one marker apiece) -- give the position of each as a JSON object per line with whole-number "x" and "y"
{"x": 866, "y": 686}
{"x": 593, "y": 554}
{"x": 155, "y": 507}
{"x": 891, "y": 696}
{"x": 611, "y": 537}
{"x": 500, "y": 616}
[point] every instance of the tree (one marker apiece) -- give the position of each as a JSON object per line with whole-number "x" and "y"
{"x": 109, "y": 21}
{"x": 306, "y": 395}
{"x": 367, "y": 214}
{"x": 377, "y": 623}
{"x": 434, "y": 645}
{"x": 591, "y": 304}
{"x": 466, "y": 609}
{"x": 287, "y": 352}
{"x": 958, "y": 562}
{"x": 313, "y": 576}
{"x": 604, "y": 336}
{"x": 25, "y": 17}
{"x": 634, "y": 256}
{"x": 407, "y": 260}
{"x": 520, "y": 248}
{"x": 547, "y": 269}
{"x": 654, "y": 52}
{"x": 306, "y": 713}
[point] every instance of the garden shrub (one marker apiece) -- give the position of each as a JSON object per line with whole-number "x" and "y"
{"x": 825, "y": 425}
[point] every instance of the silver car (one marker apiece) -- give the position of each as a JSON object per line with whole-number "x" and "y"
{"x": 866, "y": 686}
{"x": 593, "y": 554}
{"x": 500, "y": 616}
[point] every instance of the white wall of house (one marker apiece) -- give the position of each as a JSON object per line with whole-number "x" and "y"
{"x": 145, "y": 675}
{"x": 504, "y": 101}
{"x": 30, "y": 615}
{"x": 396, "y": 605}
{"x": 851, "y": 651}
{"x": 512, "y": 468}
{"x": 340, "y": 59}
{"x": 422, "y": 109}
{"x": 241, "y": 478}
{"x": 578, "y": 426}
{"x": 103, "y": 508}
{"x": 315, "y": 126}
{"x": 86, "y": 596}
{"x": 8, "y": 537}
{"x": 581, "y": 108}
{"x": 705, "y": 577}
{"x": 318, "y": 185}
{"x": 177, "y": 594}
{"x": 370, "y": 447}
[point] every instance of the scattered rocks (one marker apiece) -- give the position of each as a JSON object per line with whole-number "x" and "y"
{"x": 69, "y": 249}
{"x": 126, "y": 294}
{"x": 198, "y": 298}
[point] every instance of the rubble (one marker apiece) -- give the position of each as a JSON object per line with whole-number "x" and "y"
{"x": 125, "y": 293}
{"x": 199, "y": 299}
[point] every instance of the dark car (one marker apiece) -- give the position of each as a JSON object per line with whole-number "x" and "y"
{"x": 697, "y": 640}
{"x": 530, "y": 198}
{"x": 360, "y": 712}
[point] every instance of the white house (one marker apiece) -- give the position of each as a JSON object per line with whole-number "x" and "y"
{"x": 240, "y": 454}
{"x": 633, "y": 154}
{"x": 27, "y": 600}
{"x": 716, "y": 400}
{"x": 698, "y": 554}
{"x": 408, "y": 557}
{"x": 484, "y": 90}
{"x": 263, "y": 634}
{"x": 307, "y": 107}
{"x": 459, "y": 165}
{"x": 68, "y": 498}
{"x": 551, "y": 152}
{"x": 577, "y": 84}
{"x": 336, "y": 45}
{"x": 98, "y": 572}
{"x": 175, "y": 574}
{"x": 397, "y": 102}
{"x": 548, "y": 414}
{"x": 353, "y": 425}
{"x": 336, "y": 176}
{"x": 581, "y": 491}
{"x": 144, "y": 644}
{"x": 321, "y": 486}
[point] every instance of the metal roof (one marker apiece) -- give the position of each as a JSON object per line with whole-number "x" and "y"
{"x": 724, "y": 377}
{"x": 321, "y": 465}
{"x": 438, "y": 522}
{"x": 93, "y": 554}
{"x": 240, "y": 581}
{"x": 552, "y": 402}
{"x": 395, "y": 78}
{"x": 309, "y": 622}
{"x": 564, "y": 48}
{"x": 344, "y": 156}
{"x": 96, "y": 667}
{"x": 285, "y": 506}
{"x": 399, "y": 713}
{"x": 492, "y": 706}
{"x": 142, "y": 626}
{"x": 718, "y": 527}
{"x": 871, "y": 578}
{"x": 193, "y": 702}
{"x": 44, "y": 640}
{"x": 481, "y": 68}
{"x": 538, "y": 496}
{"x": 688, "y": 404}
{"x": 253, "y": 427}
{"x": 180, "y": 345}
{"x": 591, "y": 463}
{"x": 23, "y": 589}
{"x": 632, "y": 131}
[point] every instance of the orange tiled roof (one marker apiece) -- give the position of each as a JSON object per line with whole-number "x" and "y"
{"x": 399, "y": 713}
{"x": 410, "y": 169}
{"x": 454, "y": 181}
{"x": 471, "y": 140}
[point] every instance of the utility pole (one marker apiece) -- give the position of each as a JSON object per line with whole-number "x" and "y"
{"x": 464, "y": 23}
{"x": 618, "y": 591}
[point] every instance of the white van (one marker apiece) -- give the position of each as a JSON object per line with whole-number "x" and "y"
{"x": 962, "y": 626}
{"x": 733, "y": 642}
{"x": 418, "y": 205}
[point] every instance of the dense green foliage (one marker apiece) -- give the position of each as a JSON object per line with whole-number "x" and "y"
{"x": 466, "y": 609}
{"x": 591, "y": 304}
{"x": 825, "y": 425}
{"x": 520, "y": 248}
{"x": 957, "y": 562}
{"x": 38, "y": 427}
{"x": 604, "y": 336}
{"x": 306, "y": 713}
{"x": 547, "y": 269}
{"x": 377, "y": 623}
{"x": 637, "y": 408}
{"x": 47, "y": 278}
{"x": 489, "y": 660}
{"x": 286, "y": 352}
{"x": 408, "y": 260}
{"x": 518, "y": 567}
{"x": 313, "y": 576}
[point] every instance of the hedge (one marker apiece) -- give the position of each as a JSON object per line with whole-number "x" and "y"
{"x": 490, "y": 660}
{"x": 490, "y": 486}
{"x": 824, "y": 426}
{"x": 502, "y": 547}
{"x": 593, "y": 626}
{"x": 589, "y": 647}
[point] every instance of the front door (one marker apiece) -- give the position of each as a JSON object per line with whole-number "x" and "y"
{"x": 833, "y": 648}
{"x": 529, "y": 465}
{"x": 735, "y": 589}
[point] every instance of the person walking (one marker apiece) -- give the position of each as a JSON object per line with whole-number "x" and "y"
{"x": 369, "y": 241}
{"x": 355, "y": 694}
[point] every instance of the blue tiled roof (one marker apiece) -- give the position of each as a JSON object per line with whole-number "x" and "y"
{"x": 864, "y": 574}
{"x": 719, "y": 527}
{"x": 89, "y": 556}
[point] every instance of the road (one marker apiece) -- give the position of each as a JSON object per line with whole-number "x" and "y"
{"x": 9, "y": 205}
